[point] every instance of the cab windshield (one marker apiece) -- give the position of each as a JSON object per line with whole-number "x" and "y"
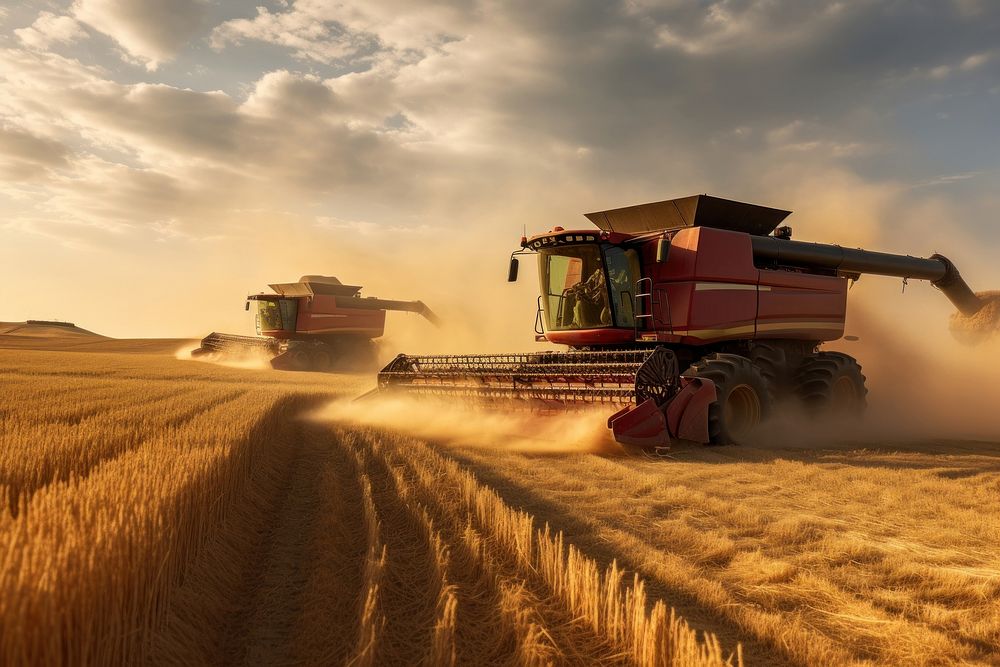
{"x": 276, "y": 314}
{"x": 577, "y": 294}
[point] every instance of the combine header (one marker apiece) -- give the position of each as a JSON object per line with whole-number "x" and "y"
{"x": 709, "y": 285}
{"x": 544, "y": 378}
{"x": 315, "y": 324}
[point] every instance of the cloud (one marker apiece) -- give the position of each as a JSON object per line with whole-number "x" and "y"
{"x": 328, "y": 31}
{"x": 975, "y": 61}
{"x": 308, "y": 35}
{"x": 453, "y": 110}
{"x": 397, "y": 133}
{"x": 49, "y": 29}
{"x": 24, "y": 156}
{"x": 966, "y": 64}
{"x": 727, "y": 26}
{"x": 948, "y": 179}
{"x": 150, "y": 30}
{"x": 151, "y": 153}
{"x": 453, "y": 113}
{"x": 367, "y": 228}
{"x": 800, "y": 136}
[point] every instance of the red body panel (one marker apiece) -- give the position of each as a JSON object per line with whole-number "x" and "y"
{"x": 642, "y": 425}
{"x": 800, "y": 305}
{"x": 687, "y": 413}
{"x": 709, "y": 291}
{"x": 319, "y": 317}
{"x": 709, "y": 281}
{"x": 684, "y": 417}
{"x": 708, "y": 254}
{"x": 320, "y": 314}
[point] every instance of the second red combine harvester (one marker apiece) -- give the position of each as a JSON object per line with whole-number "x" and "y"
{"x": 690, "y": 316}
{"x": 315, "y": 324}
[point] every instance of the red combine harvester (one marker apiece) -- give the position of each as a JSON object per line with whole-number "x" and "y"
{"x": 699, "y": 283}
{"x": 315, "y": 324}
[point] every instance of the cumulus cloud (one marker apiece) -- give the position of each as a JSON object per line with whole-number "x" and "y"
{"x": 312, "y": 35}
{"x": 963, "y": 65}
{"x": 150, "y": 30}
{"x": 947, "y": 179}
{"x": 331, "y": 31}
{"x": 186, "y": 156}
{"x": 49, "y": 29}
{"x": 445, "y": 115}
{"x": 976, "y": 60}
{"x": 803, "y": 137}
{"x": 24, "y": 156}
{"x": 555, "y": 92}
{"x": 732, "y": 26}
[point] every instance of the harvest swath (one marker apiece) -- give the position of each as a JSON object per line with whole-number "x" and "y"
{"x": 184, "y": 513}
{"x": 838, "y": 555}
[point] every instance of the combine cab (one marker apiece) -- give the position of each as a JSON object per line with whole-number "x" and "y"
{"x": 689, "y": 316}
{"x": 315, "y": 324}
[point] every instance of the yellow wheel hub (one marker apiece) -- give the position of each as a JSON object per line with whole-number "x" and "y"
{"x": 742, "y": 411}
{"x": 843, "y": 395}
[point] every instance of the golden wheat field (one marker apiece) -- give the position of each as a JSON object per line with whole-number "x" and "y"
{"x": 159, "y": 511}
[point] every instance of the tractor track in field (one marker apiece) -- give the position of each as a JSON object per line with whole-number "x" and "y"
{"x": 300, "y": 605}
{"x": 346, "y": 549}
{"x": 434, "y": 538}
{"x": 279, "y": 584}
{"x": 410, "y": 585}
{"x": 597, "y": 542}
{"x": 515, "y": 606}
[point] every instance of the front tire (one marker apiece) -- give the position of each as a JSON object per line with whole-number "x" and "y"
{"x": 743, "y": 399}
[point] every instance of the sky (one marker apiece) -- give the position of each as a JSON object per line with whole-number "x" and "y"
{"x": 160, "y": 159}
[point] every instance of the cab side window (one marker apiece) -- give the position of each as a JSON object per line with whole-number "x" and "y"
{"x": 623, "y": 271}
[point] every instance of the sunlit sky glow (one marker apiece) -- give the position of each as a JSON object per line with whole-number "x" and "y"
{"x": 159, "y": 159}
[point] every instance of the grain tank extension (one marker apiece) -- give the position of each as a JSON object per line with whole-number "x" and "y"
{"x": 688, "y": 317}
{"x": 316, "y": 324}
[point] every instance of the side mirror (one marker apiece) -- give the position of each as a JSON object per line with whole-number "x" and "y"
{"x": 662, "y": 249}
{"x": 248, "y": 305}
{"x": 512, "y": 272}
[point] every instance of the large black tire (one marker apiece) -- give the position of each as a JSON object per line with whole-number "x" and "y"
{"x": 354, "y": 355}
{"x": 743, "y": 399}
{"x": 296, "y": 359}
{"x": 320, "y": 359}
{"x": 832, "y": 384}
{"x": 772, "y": 360}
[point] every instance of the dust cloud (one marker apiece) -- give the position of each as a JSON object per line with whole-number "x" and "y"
{"x": 248, "y": 360}
{"x": 470, "y": 426}
{"x": 922, "y": 383}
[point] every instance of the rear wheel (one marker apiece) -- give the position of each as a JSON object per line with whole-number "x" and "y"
{"x": 743, "y": 401}
{"x": 773, "y": 364}
{"x": 320, "y": 359}
{"x": 296, "y": 359}
{"x": 831, "y": 383}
